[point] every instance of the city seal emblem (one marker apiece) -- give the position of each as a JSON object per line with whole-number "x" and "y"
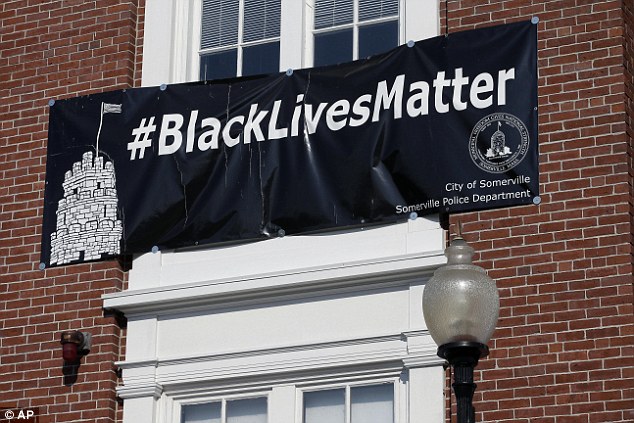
{"x": 498, "y": 142}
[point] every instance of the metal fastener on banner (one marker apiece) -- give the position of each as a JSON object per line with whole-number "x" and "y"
{"x": 281, "y": 233}
{"x": 51, "y": 102}
{"x": 535, "y": 20}
{"x": 155, "y": 249}
{"x": 289, "y": 72}
{"x": 537, "y": 200}
{"x": 42, "y": 266}
{"x": 163, "y": 87}
{"x": 413, "y": 216}
{"x": 410, "y": 43}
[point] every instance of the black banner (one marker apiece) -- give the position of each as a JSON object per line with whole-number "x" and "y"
{"x": 447, "y": 124}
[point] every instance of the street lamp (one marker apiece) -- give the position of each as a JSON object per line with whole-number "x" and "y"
{"x": 461, "y": 306}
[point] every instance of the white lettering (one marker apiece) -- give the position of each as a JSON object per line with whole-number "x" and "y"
{"x": 338, "y": 108}
{"x": 212, "y": 134}
{"x": 439, "y": 84}
{"x": 503, "y": 76}
{"x": 418, "y": 103}
{"x": 170, "y": 127}
{"x": 296, "y": 115}
{"x": 274, "y": 132}
{"x": 360, "y": 110}
{"x": 457, "y": 93}
{"x": 458, "y": 82}
{"x": 226, "y": 132}
{"x": 191, "y": 135}
{"x": 384, "y": 99}
{"x": 478, "y": 88}
{"x": 312, "y": 121}
{"x": 253, "y": 124}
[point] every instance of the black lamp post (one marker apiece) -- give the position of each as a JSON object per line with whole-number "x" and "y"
{"x": 461, "y": 306}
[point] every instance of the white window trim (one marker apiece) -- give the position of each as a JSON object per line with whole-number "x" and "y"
{"x": 400, "y": 404}
{"x": 354, "y": 25}
{"x": 285, "y": 402}
{"x": 192, "y": 72}
{"x": 176, "y": 405}
{"x": 172, "y": 31}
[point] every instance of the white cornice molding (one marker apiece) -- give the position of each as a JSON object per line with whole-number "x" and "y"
{"x": 140, "y": 391}
{"x": 386, "y": 355}
{"x": 382, "y": 272}
{"x": 389, "y": 353}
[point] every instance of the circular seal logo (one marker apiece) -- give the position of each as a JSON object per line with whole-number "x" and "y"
{"x": 498, "y": 142}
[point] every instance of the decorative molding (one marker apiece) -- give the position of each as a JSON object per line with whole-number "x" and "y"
{"x": 140, "y": 391}
{"x": 353, "y": 275}
{"x": 282, "y": 365}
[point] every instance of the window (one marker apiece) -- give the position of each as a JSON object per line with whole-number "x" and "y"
{"x": 272, "y": 35}
{"x": 352, "y": 404}
{"x": 381, "y": 400}
{"x": 250, "y": 410}
{"x": 239, "y": 38}
{"x": 346, "y": 30}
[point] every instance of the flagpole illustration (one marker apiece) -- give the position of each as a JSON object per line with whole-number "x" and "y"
{"x": 105, "y": 108}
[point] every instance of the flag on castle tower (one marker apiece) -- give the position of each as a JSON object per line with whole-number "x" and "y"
{"x": 111, "y": 108}
{"x": 106, "y": 108}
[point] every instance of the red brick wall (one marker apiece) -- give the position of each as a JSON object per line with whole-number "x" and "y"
{"x": 54, "y": 49}
{"x": 563, "y": 350}
{"x": 628, "y": 15}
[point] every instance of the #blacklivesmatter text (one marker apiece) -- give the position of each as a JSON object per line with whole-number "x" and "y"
{"x": 418, "y": 98}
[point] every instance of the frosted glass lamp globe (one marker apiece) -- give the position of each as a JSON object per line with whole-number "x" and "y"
{"x": 460, "y": 301}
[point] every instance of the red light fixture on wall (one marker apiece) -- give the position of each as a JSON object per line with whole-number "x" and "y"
{"x": 75, "y": 344}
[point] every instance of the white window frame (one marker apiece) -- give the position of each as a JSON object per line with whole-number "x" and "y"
{"x": 354, "y": 25}
{"x": 240, "y": 45}
{"x": 177, "y": 404}
{"x": 285, "y": 402}
{"x": 400, "y": 406}
{"x": 171, "y": 41}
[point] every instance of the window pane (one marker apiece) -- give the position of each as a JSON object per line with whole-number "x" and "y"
{"x": 261, "y": 19}
{"x": 247, "y": 411}
{"x": 219, "y": 23}
{"x": 373, "y": 9}
{"x": 325, "y": 406}
{"x": 201, "y": 413}
{"x": 377, "y": 38}
{"x": 329, "y": 13}
{"x": 372, "y": 404}
{"x": 333, "y": 47}
{"x": 261, "y": 58}
{"x": 218, "y": 65}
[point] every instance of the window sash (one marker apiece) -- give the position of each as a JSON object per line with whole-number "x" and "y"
{"x": 261, "y": 20}
{"x": 220, "y": 21}
{"x": 350, "y": 404}
{"x": 226, "y": 410}
{"x": 356, "y": 14}
{"x": 237, "y": 25}
{"x": 376, "y": 9}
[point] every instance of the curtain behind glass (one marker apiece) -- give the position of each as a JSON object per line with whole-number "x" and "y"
{"x": 325, "y": 406}
{"x": 201, "y": 413}
{"x": 372, "y": 404}
{"x": 247, "y": 411}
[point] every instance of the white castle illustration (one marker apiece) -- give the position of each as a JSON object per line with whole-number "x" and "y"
{"x": 87, "y": 215}
{"x": 498, "y": 144}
